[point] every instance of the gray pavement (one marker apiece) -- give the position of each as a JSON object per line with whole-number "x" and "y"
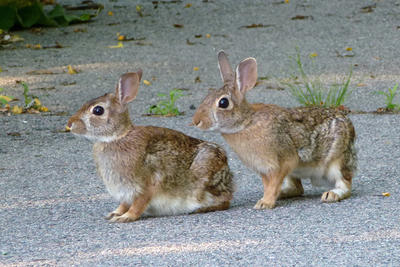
{"x": 52, "y": 205}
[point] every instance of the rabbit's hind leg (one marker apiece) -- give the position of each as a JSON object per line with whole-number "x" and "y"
{"x": 341, "y": 178}
{"x": 291, "y": 187}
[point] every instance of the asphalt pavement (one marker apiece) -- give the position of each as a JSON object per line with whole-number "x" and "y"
{"x": 52, "y": 204}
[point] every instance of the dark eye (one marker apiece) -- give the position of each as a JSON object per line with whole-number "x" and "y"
{"x": 223, "y": 102}
{"x": 98, "y": 110}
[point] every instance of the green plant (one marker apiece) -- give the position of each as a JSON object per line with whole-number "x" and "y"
{"x": 312, "y": 92}
{"x": 4, "y": 100}
{"x": 390, "y": 95}
{"x": 26, "y": 14}
{"x": 166, "y": 107}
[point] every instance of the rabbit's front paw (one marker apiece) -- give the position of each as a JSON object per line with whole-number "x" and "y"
{"x": 112, "y": 215}
{"x": 329, "y": 197}
{"x": 124, "y": 218}
{"x": 263, "y": 204}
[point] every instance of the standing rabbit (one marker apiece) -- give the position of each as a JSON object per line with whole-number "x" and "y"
{"x": 152, "y": 170}
{"x": 283, "y": 145}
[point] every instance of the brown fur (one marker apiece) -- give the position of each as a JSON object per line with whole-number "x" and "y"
{"x": 151, "y": 169}
{"x": 280, "y": 143}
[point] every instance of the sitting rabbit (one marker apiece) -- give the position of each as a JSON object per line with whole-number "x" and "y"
{"x": 152, "y": 170}
{"x": 283, "y": 145}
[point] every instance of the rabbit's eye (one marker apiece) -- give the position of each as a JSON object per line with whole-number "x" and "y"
{"x": 98, "y": 110}
{"x": 223, "y": 102}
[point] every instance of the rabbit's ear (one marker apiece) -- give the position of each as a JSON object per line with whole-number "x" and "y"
{"x": 225, "y": 68}
{"x": 128, "y": 86}
{"x": 246, "y": 75}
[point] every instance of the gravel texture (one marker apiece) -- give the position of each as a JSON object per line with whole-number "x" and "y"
{"x": 52, "y": 205}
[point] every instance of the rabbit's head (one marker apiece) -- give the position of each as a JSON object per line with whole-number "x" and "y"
{"x": 226, "y": 109}
{"x": 106, "y": 118}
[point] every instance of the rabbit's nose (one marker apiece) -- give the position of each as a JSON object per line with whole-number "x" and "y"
{"x": 197, "y": 123}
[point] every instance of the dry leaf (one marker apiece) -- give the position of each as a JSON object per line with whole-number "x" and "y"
{"x": 119, "y": 45}
{"x": 195, "y": 68}
{"x": 260, "y": 25}
{"x": 349, "y": 49}
{"x": 208, "y": 35}
{"x": 16, "y": 110}
{"x": 146, "y": 82}
{"x": 298, "y": 17}
{"x": 40, "y": 72}
{"x": 6, "y": 98}
{"x": 361, "y": 84}
{"x": 287, "y": 1}
{"x": 312, "y": 55}
{"x": 386, "y": 194}
{"x": 121, "y": 37}
{"x": 71, "y": 70}
{"x": 110, "y": 13}
{"x": 197, "y": 80}
{"x": 178, "y": 25}
{"x": 188, "y": 5}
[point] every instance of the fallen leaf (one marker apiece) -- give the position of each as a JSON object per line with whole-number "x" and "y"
{"x": 6, "y": 98}
{"x": 197, "y": 80}
{"x": 361, "y": 84}
{"x": 72, "y": 70}
{"x": 188, "y": 42}
{"x": 368, "y": 9}
{"x": 16, "y": 109}
{"x": 386, "y": 194}
{"x": 287, "y": 1}
{"x": 198, "y": 36}
{"x": 110, "y": 13}
{"x": 195, "y": 68}
{"x": 300, "y": 17}
{"x": 80, "y": 30}
{"x": 188, "y": 5}
{"x": 40, "y": 72}
{"x": 119, "y": 45}
{"x": 312, "y": 55}
{"x": 208, "y": 35}
{"x": 349, "y": 49}
{"x": 66, "y": 83}
{"x": 138, "y": 8}
{"x": 43, "y": 109}
{"x": 260, "y": 25}
{"x": 121, "y": 37}
{"x": 178, "y": 25}
{"x": 146, "y": 82}
{"x": 14, "y": 134}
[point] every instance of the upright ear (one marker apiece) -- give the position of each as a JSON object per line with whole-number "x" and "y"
{"x": 246, "y": 75}
{"x": 225, "y": 68}
{"x": 128, "y": 86}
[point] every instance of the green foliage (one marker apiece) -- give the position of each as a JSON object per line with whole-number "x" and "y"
{"x": 4, "y": 99}
{"x": 312, "y": 92}
{"x": 390, "y": 95}
{"x": 166, "y": 107}
{"x": 31, "y": 13}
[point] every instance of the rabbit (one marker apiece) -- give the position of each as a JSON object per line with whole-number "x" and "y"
{"x": 151, "y": 170}
{"x": 282, "y": 145}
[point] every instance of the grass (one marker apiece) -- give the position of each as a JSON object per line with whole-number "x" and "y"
{"x": 390, "y": 95}
{"x": 167, "y": 106}
{"x": 313, "y": 92}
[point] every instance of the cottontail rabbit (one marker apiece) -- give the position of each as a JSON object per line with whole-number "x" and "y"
{"x": 283, "y": 145}
{"x": 151, "y": 170}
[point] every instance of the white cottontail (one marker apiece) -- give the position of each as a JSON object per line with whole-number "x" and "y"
{"x": 283, "y": 145}
{"x": 151, "y": 170}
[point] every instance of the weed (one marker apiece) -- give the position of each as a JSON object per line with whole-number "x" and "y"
{"x": 31, "y": 103}
{"x": 312, "y": 92}
{"x": 166, "y": 107}
{"x": 390, "y": 95}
